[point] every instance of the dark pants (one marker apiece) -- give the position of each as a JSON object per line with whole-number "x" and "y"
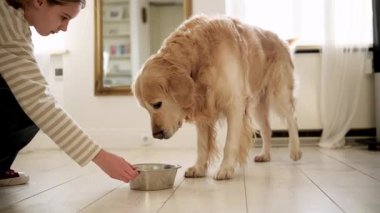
{"x": 16, "y": 128}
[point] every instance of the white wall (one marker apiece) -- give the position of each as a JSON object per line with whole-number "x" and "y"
{"x": 118, "y": 121}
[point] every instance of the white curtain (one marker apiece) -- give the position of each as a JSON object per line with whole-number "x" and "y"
{"x": 348, "y": 34}
{"x": 235, "y": 8}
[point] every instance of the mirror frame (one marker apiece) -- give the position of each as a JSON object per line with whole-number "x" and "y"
{"x": 100, "y": 90}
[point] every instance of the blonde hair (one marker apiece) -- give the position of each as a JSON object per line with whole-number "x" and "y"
{"x": 19, "y": 3}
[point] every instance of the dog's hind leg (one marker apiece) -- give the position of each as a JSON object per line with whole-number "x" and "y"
{"x": 206, "y": 150}
{"x": 284, "y": 105}
{"x": 261, "y": 115}
{"x": 294, "y": 142}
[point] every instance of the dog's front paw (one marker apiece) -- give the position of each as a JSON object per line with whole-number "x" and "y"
{"x": 295, "y": 154}
{"x": 225, "y": 173}
{"x": 262, "y": 158}
{"x": 195, "y": 172}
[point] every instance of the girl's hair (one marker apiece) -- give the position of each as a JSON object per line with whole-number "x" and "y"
{"x": 19, "y": 3}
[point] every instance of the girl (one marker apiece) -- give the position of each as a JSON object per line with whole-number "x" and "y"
{"x": 25, "y": 102}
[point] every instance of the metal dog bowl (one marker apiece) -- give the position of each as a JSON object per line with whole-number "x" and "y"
{"x": 154, "y": 176}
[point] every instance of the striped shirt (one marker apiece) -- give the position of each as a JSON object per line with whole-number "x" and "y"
{"x": 19, "y": 69}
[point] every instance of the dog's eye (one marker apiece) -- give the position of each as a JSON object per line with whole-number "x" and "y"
{"x": 157, "y": 105}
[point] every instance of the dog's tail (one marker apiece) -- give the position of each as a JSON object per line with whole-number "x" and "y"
{"x": 292, "y": 42}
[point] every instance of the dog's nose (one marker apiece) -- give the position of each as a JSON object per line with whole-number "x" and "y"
{"x": 159, "y": 134}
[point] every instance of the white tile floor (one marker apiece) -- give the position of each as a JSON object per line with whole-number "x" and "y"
{"x": 346, "y": 180}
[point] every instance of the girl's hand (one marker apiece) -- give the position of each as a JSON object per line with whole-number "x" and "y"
{"x": 115, "y": 166}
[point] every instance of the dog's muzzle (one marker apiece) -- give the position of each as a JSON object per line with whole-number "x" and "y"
{"x": 159, "y": 134}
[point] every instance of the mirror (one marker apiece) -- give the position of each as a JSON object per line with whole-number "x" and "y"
{"x": 121, "y": 43}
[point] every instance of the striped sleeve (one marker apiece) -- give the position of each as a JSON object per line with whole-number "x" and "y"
{"x": 19, "y": 69}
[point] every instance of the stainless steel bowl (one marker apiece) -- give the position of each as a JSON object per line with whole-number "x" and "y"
{"x": 154, "y": 176}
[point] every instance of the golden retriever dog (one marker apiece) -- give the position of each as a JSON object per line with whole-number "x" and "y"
{"x": 213, "y": 68}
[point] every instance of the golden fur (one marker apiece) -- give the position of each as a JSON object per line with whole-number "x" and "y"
{"x": 218, "y": 67}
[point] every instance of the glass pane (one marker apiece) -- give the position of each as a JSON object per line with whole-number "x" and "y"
{"x": 116, "y": 43}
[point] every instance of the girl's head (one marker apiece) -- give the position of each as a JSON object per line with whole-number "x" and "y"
{"x": 49, "y": 16}
{"x": 19, "y": 3}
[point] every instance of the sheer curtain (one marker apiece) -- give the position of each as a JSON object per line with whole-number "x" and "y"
{"x": 300, "y": 19}
{"x": 348, "y": 34}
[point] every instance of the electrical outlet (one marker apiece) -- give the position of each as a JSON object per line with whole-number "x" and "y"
{"x": 146, "y": 139}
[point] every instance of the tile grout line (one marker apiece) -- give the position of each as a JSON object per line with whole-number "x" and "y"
{"x": 83, "y": 208}
{"x": 39, "y": 192}
{"x": 245, "y": 191}
{"x": 171, "y": 195}
{"x": 19, "y": 201}
{"x": 352, "y": 167}
{"x": 320, "y": 189}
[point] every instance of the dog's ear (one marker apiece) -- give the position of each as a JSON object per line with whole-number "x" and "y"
{"x": 181, "y": 88}
{"x": 136, "y": 91}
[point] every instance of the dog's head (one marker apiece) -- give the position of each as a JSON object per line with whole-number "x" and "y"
{"x": 166, "y": 91}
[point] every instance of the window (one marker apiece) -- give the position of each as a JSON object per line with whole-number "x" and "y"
{"x": 302, "y": 19}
